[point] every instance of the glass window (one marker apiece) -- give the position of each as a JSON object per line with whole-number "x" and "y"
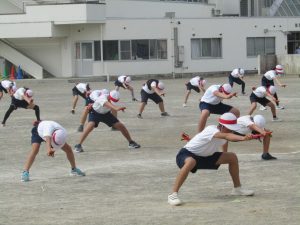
{"x": 125, "y": 50}
{"x": 140, "y": 49}
{"x": 260, "y": 46}
{"x": 110, "y": 50}
{"x": 162, "y": 51}
{"x": 97, "y": 51}
{"x": 206, "y": 47}
{"x": 87, "y": 50}
{"x": 153, "y": 49}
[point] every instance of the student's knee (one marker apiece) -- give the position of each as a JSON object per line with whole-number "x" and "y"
{"x": 235, "y": 111}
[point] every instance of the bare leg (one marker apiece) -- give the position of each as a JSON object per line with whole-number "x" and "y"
{"x": 252, "y": 108}
{"x": 189, "y": 164}
{"x": 68, "y": 150}
{"x": 187, "y": 94}
{"x": 31, "y": 156}
{"x": 231, "y": 159}
{"x": 131, "y": 91}
{"x": 142, "y": 107}
{"x": 120, "y": 126}
{"x": 114, "y": 112}
{"x": 203, "y": 118}
{"x": 235, "y": 111}
{"x": 266, "y": 143}
{"x": 161, "y": 107}
{"x": 89, "y": 127}
{"x": 273, "y": 109}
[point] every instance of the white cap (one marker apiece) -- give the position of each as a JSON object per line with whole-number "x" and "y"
{"x": 114, "y": 96}
{"x": 127, "y": 79}
{"x": 203, "y": 82}
{"x": 279, "y": 69}
{"x": 229, "y": 121}
{"x": 161, "y": 85}
{"x": 241, "y": 71}
{"x": 29, "y": 93}
{"x": 271, "y": 89}
{"x": 58, "y": 138}
{"x": 259, "y": 121}
{"x": 226, "y": 88}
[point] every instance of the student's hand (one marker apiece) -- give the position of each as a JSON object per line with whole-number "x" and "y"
{"x": 122, "y": 108}
{"x": 248, "y": 137}
{"x": 162, "y": 94}
{"x": 50, "y": 153}
{"x": 283, "y": 85}
{"x": 89, "y": 106}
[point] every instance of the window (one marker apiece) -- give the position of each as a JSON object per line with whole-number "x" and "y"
{"x": 97, "y": 51}
{"x": 206, "y": 48}
{"x": 158, "y": 49}
{"x": 87, "y": 50}
{"x": 140, "y": 49}
{"x": 125, "y": 50}
{"x": 260, "y": 46}
{"x": 110, "y": 50}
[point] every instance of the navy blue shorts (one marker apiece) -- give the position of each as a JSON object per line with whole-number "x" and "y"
{"x": 219, "y": 109}
{"x": 75, "y": 92}
{"x": 235, "y": 80}
{"x": 154, "y": 97}
{"x": 263, "y": 101}
{"x": 118, "y": 84}
{"x": 19, "y": 103}
{"x": 266, "y": 83}
{"x": 189, "y": 87}
{"x": 35, "y": 138}
{"x": 208, "y": 162}
{"x": 108, "y": 118}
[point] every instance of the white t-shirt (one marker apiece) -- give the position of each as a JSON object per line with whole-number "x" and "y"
{"x": 153, "y": 84}
{"x": 209, "y": 96}
{"x": 244, "y": 122}
{"x": 98, "y": 105}
{"x": 95, "y": 94}
{"x": 195, "y": 81}
{"x": 81, "y": 87}
{"x": 204, "y": 144}
{"x": 270, "y": 75}
{"x": 19, "y": 94}
{"x": 235, "y": 73}
{"x": 46, "y": 128}
{"x": 260, "y": 92}
{"x": 121, "y": 79}
{"x": 6, "y": 84}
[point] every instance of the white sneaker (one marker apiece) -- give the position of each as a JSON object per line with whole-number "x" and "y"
{"x": 184, "y": 105}
{"x": 262, "y": 108}
{"x": 279, "y": 107}
{"x": 276, "y": 119}
{"x": 174, "y": 200}
{"x": 241, "y": 192}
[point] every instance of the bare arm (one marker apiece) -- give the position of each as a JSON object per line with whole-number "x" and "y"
{"x": 258, "y": 129}
{"x": 272, "y": 97}
{"x": 232, "y": 137}
{"x": 50, "y": 151}
{"x": 28, "y": 100}
{"x": 113, "y": 107}
{"x": 157, "y": 91}
{"x": 279, "y": 83}
{"x": 225, "y": 147}
{"x": 224, "y": 96}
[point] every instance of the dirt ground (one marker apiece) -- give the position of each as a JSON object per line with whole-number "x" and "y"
{"x": 128, "y": 187}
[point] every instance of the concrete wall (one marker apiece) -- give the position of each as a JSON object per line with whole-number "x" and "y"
{"x": 291, "y": 63}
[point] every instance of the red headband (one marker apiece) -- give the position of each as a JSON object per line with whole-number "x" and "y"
{"x": 53, "y": 138}
{"x": 227, "y": 121}
{"x": 113, "y": 99}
